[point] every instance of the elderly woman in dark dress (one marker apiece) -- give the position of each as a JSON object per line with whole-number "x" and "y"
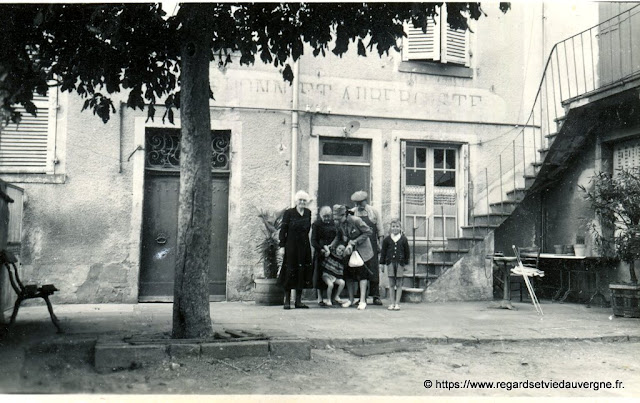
{"x": 323, "y": 231}
{"x": 296, "y": 271}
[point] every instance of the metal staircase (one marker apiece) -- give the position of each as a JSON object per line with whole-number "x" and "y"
{"x": 578, "y": 67}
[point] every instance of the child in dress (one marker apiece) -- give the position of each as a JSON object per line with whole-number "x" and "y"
{"x": 333, "y": 272}
{"x": 395, "y": 256}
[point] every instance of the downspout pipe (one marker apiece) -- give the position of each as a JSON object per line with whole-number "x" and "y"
{"x": 294, "y": 130}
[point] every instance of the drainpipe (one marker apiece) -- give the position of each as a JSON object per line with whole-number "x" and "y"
{"x": 294, "y": 130}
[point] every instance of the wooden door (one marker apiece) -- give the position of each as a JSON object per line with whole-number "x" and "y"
{"x": 344, "y": 169}
{"x": 160, "y": 215}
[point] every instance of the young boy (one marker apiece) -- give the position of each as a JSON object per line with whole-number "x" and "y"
{"x": 395, "y": 256}
{"x": 332, "y": 273}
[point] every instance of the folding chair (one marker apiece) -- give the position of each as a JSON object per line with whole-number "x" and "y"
{"x": 528, "y": 267}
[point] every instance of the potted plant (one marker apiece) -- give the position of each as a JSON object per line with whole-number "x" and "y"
{"x": 580, "y": 248}
{"x": 267, "y": 290}
{"x": 616, "y": 201}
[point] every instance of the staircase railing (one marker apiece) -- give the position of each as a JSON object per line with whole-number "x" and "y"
{"x": 594, "y": 59}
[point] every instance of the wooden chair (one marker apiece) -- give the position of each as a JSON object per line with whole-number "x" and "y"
{"x": 27, "y": 291}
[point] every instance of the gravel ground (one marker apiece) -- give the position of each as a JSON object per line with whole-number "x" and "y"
{"x": 339, "y": 371}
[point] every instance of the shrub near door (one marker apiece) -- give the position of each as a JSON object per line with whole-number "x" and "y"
{"x": 267, "y": 291}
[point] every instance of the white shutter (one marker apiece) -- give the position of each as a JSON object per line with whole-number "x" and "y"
{"x": 455, "y": 43}
{"x": 419, "y": 45}
{"x": 27, "y": 146}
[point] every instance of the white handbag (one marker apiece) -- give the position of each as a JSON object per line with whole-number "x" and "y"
{"x": 356, "y": 260}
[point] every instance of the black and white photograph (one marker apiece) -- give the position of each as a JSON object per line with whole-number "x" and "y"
{"x": 273, "y": 202}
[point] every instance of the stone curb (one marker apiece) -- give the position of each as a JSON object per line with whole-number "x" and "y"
{"x": 341, "y": 343}
{"x": 111, "y": 356}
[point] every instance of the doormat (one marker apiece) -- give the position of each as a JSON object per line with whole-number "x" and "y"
{"x": 384, "y": 348}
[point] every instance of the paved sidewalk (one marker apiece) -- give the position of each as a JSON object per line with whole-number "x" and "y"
{"x": 442, "y": 322}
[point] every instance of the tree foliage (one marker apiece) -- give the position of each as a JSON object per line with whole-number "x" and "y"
{"x": 615, "y": 198}
{"x": 97, "y": 50}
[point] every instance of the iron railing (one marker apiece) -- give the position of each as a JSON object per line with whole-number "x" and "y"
{"x": 589, "y": 61}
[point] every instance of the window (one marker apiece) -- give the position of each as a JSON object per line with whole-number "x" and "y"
{"x": 438, "y": 44}
{"x": 626, "y": 155}
{"x": 29, "y": 147}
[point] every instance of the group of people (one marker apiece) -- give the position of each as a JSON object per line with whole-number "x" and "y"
{"x": 349, "y": 250}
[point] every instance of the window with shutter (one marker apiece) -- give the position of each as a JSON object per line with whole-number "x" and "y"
{"x": 28, "y": 147}
{"x": 439, "y": 43}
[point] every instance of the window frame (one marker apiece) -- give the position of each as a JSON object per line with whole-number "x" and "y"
{"x": 48, "y": 167}
{"x": 443, "y": 53}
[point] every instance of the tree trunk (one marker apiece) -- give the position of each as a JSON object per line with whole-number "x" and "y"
{"x": 191, "y": 316}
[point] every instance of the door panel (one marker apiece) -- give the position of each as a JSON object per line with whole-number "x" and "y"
{"x": 338, "y": 182}
{"x": 159, "y": 230}
{"x": 159, "y": 235}
{"x": 429, "y": 198}
{"x": 219, "y": 231}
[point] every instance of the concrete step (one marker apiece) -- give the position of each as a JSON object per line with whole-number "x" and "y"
{"x": 478, "y": 230}
{"x": 543, "y": 153}
{"x": 530, "y": 179}
{"x": 517, "y": 194}
{"x": 505, "y": 206}
{"x": 463, "y": 242}
{"x": 448, "y": 254}
{"x": 434, "y": 268}
{"x": 490, "y": 219}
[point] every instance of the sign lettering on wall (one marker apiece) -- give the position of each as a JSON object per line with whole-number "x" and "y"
{"x": 359, "y": 97}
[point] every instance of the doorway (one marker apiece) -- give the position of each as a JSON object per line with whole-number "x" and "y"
{"x": 429, "y": 198}
{"x": 344, "y": 168}
{"x": 160, "y": 215}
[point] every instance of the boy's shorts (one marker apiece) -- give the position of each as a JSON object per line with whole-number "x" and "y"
{"x": 399, "y": 271}
{"x": 330, "y": 277}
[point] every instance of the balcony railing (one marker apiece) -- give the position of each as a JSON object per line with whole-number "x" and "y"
{"x": 590, "y": 61}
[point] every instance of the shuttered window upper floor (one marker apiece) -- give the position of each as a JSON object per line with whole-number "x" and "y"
{"x": 29, "y": 146}
{"x": 438, "y": 50}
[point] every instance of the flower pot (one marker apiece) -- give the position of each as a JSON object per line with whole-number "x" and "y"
{"x": 580, "y": 249}
{"x": 558, "y": 249}
{"x": 268, "y": 292}
{"x": 625, "y": 300}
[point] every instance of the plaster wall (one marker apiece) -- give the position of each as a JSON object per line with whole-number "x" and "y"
{"x": 75, "y": 227}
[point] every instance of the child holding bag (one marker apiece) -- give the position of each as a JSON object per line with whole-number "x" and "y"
{"x": 395, "y": 256}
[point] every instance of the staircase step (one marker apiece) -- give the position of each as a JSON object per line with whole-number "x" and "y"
{"x": 518, "y": 194}
{"x": 505, "y": 206}
{"x": 420, "y": 275}
{"x": 463, "y": 242}
{"x": 490, "y": 219}
{"x": 543, "y": 152}
{"x": 478, "y": 230}
{"x": 448, "y": 254}
{"x": 530, "y": 179}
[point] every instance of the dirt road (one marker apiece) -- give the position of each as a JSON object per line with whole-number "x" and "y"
{"x": 338, "y": 371}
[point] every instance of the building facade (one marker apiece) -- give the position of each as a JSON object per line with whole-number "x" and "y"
{"x": 423, "y": 131}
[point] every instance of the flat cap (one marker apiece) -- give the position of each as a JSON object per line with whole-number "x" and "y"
{"x": 360, "y": 195}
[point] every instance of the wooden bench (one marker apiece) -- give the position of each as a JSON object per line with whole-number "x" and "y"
{"x": 26, "y": 291}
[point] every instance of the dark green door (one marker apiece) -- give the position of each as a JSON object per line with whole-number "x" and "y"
{"x": 344, "y": 168}
{"x": 160, "y": 216}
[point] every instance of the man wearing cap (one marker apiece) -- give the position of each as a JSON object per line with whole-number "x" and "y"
{"x": 372, "y": 218}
